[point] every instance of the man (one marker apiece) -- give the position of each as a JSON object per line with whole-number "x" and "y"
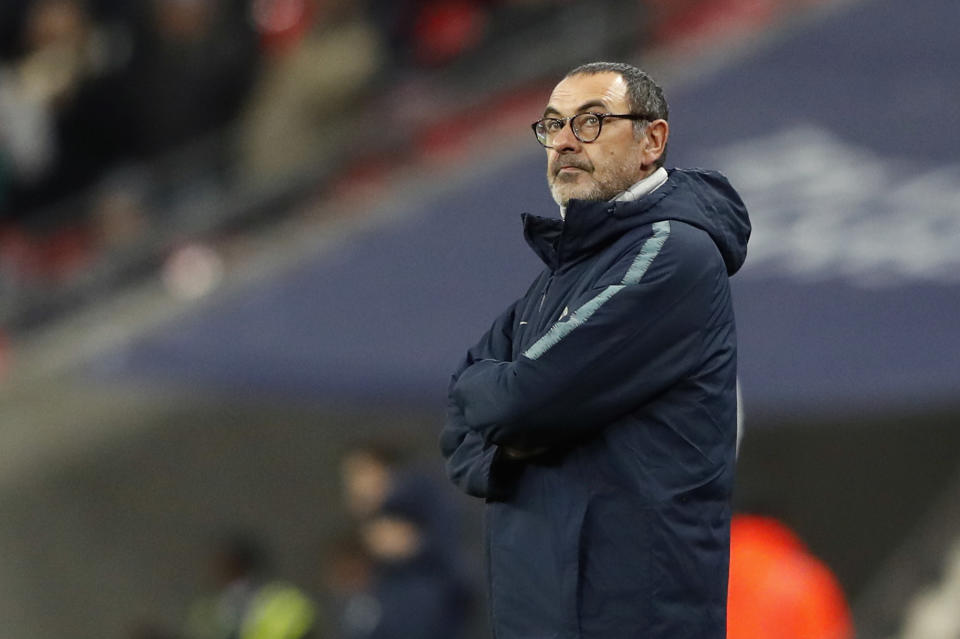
{"x": 597, "y": 416}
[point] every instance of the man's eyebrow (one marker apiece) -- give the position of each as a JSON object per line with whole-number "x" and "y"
{"x": 583, "y": 107}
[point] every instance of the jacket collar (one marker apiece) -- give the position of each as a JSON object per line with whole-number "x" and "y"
{"x": 588, "y": 226}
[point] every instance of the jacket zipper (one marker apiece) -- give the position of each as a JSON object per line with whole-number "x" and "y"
{"x": 553, "y": 271}
{"x": 543, "y": 298}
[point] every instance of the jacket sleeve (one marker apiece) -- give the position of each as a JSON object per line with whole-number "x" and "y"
{"x": 469, "y": 458}
{"x": 622, "y": 345}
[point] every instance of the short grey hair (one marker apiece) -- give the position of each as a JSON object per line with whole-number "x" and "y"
{"x": 643, "y": 93}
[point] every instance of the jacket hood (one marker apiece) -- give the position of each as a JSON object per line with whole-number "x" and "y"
{"x": 704, "y": 199}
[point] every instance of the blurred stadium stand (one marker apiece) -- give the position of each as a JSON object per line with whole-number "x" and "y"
{"x": 193, "y": 333}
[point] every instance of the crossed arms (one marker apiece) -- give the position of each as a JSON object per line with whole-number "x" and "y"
{"x": 621, "y": 346}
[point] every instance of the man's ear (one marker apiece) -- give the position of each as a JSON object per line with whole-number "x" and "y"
{"x": 656, "y": 136}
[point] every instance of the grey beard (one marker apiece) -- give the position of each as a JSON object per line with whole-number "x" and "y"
{"x": 596, "y": 193}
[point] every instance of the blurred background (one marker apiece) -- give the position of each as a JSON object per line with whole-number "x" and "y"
{"x": 244, "y": 242}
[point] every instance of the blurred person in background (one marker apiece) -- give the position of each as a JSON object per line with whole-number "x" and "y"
{"x": 597, "y": 417}
{"x": 248, "y": 603}
{"x": 411, "y": 530}
{"x": 192, "y": 70}
{"x": 415, "y": 594}
{"x": 320, "y": 58}
{"x": 377, "y": 472}
{"x": 60, "y": 107}
{"x": 778, "y": 589}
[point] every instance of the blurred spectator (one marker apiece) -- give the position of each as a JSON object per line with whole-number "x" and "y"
{"x": 410, "y": 530}
{"x": 778, "y": 589}
{"x": 191, "y": 71}
{"x": 376, "y": 473}
{"x": 321, "y": 57}
{"x": 417, "y": 595}
{"x": 247, "y": 603}
{"x": 58, "y": 107}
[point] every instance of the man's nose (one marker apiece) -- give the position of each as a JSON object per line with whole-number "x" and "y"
{"x": 565, "y": 141}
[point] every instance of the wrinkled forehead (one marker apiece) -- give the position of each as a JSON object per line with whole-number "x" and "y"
{"x": 584, "y": 92}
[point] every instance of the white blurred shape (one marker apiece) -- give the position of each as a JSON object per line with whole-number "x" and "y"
{"x": 192, "y": 271}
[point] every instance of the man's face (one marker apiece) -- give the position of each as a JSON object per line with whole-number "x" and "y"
{"x": 366, "y": 482}
{"x": 609, "y": 165}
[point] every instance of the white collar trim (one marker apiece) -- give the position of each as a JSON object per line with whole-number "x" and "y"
{"x": 647, "y": 185}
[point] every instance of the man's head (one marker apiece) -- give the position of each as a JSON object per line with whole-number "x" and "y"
{"x": 626, "y": 149}
{"x": 367, "y": 470}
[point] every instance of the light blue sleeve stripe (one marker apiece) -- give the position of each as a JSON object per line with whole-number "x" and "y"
{"x": 648, "y": 252}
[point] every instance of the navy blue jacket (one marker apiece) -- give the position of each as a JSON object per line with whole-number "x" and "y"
{"x": 597, "y": 418}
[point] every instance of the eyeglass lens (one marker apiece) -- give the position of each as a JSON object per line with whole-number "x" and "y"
{"x": 586, "y": 127}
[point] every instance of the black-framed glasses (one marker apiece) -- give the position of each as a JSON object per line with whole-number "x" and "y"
{"x": 585, "y": 126}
